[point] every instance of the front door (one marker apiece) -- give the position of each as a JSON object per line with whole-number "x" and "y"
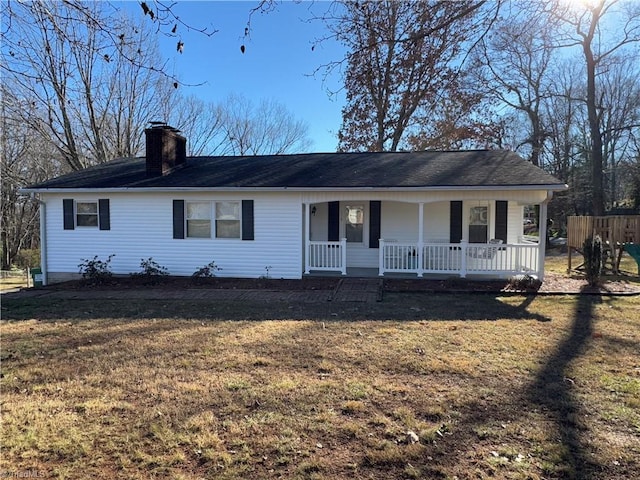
{"x": 354, "y": 223}
{"x": 478, "y": 224}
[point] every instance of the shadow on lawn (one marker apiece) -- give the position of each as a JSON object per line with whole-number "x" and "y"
{"x": 395, "y": 306}
{"x": 552, "y": 390}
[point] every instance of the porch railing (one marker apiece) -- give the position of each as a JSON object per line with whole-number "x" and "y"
{"x": 458, "y": 258}
{"x": 327, "y": 256}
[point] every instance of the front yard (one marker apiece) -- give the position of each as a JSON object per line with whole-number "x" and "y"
{"x": 526, "y": 387}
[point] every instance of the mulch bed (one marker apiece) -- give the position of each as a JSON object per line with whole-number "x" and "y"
{"x": 554, "y": 283}
{"x": 172, "y": 283}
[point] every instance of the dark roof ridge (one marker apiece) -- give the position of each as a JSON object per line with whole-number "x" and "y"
{"x": 309, "y": 154}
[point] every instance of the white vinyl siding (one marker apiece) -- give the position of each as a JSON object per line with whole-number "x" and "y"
{"x": 437, "y": 222}
{"x": 142, "y": 227}
{"x": 515, "y": 230}
{"x": 399, "y": 221}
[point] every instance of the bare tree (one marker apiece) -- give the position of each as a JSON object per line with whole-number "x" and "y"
{"x": 235, "y": 126}
{"x": 93, "y": 100}
{"x": 512, "y": 65}
{"x": 633, "y": 192}
{"x": 585, "y": 29}
{"x": 200, "y": 121}
{"x": 136, "y": 95}
{"x": 562, "y": 111}
{"x": 268, "y": 128}
{"x": 24, "y": 159}
{"x": 620, "y": 122}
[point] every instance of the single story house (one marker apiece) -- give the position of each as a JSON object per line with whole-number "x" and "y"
{"x": 453, "y": 213}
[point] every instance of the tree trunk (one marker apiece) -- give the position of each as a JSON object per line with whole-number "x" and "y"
{"x": 597, "y": 191}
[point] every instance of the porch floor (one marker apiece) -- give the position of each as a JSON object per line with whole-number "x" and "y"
{"x": 361, "y": 272}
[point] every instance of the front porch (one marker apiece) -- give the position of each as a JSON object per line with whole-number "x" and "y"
{"x": 432, "y": 260}
{"x": 479, "y": 237}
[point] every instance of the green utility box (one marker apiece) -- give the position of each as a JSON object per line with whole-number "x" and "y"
{"x": 36, "y": 275}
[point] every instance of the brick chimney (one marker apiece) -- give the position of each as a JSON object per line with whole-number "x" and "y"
{"x": 166, "y": 149}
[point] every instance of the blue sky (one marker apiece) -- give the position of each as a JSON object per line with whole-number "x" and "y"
{"x": 278, "y": 62}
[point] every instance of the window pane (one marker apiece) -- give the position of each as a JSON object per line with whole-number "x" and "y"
{"x": 355, "y": 214}
{"x": 228, "y": 228}
{"x": 353, "y": 233}
{"x": 199, "y": 228}
{"x": 199, "y": 210}
{"x": 353, "y": 226}
{"x": 86, "y": 207}
{"x": 87, "y": 220}
{"x": 227, "y": 211}
{"x": 478, "y": 216}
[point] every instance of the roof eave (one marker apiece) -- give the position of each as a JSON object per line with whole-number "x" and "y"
{"x": 552, "y": 187}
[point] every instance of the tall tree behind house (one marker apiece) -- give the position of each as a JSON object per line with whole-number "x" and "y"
{"x": 405, "y": 73}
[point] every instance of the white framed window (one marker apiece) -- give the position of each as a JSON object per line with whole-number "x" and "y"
{"x": 198, "y": 219}
{"x": 228, "y": 220}
{"x": 87, "y": 214}
{"x": 354, "y": 224}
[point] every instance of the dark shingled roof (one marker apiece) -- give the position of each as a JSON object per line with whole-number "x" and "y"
{"x": 477, "y": 168}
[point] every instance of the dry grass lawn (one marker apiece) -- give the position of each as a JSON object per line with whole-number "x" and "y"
{"x": 558, "y": 263}
{"x": 532, "y": 388}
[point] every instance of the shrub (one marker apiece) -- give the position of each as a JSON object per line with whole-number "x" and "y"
{"x": 267, "y": 275}
{"x": 151, "y": 271}
{"x": 28, "y": 258}
{"x": 524, "y": 282}
{"x": 592, "y": 252}
{"x": 208, "y": 271}
{"x": 96, "y": 271}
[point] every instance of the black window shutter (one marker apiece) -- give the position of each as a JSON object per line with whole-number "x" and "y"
{"x": 247, "y": 219}
{"x": 455, "y": 222}
{"x": 374, "y": 223}
{"x": 105, "y": 218}
{"x": 67, "y": 211}
{"x": 178, "y": 219}
{"x": 334, "y": 222}
{"x": 501, "y": 220}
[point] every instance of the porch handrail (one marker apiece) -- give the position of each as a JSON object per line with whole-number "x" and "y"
{"x": 397, "y": 256}
{"x": 458, "y": 258}
{"x": 327, "y": 256}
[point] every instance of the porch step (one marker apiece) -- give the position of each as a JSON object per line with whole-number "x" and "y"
{"x": 357, "y": 290}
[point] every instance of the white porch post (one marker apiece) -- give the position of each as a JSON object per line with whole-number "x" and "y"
{"x": 542, "y": 239}
{"x": 43, "y": 243}
{"x": 307, "y": 237}
{"x": 381, "y": 257}
{"x": 420, "y": 238}
{"x": 463, "y": 260}
{"x": 343, "y": 252}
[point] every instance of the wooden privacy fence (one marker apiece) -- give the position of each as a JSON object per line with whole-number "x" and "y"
{"x": 614, "y": 230}
{"x": 14, "y": 278}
